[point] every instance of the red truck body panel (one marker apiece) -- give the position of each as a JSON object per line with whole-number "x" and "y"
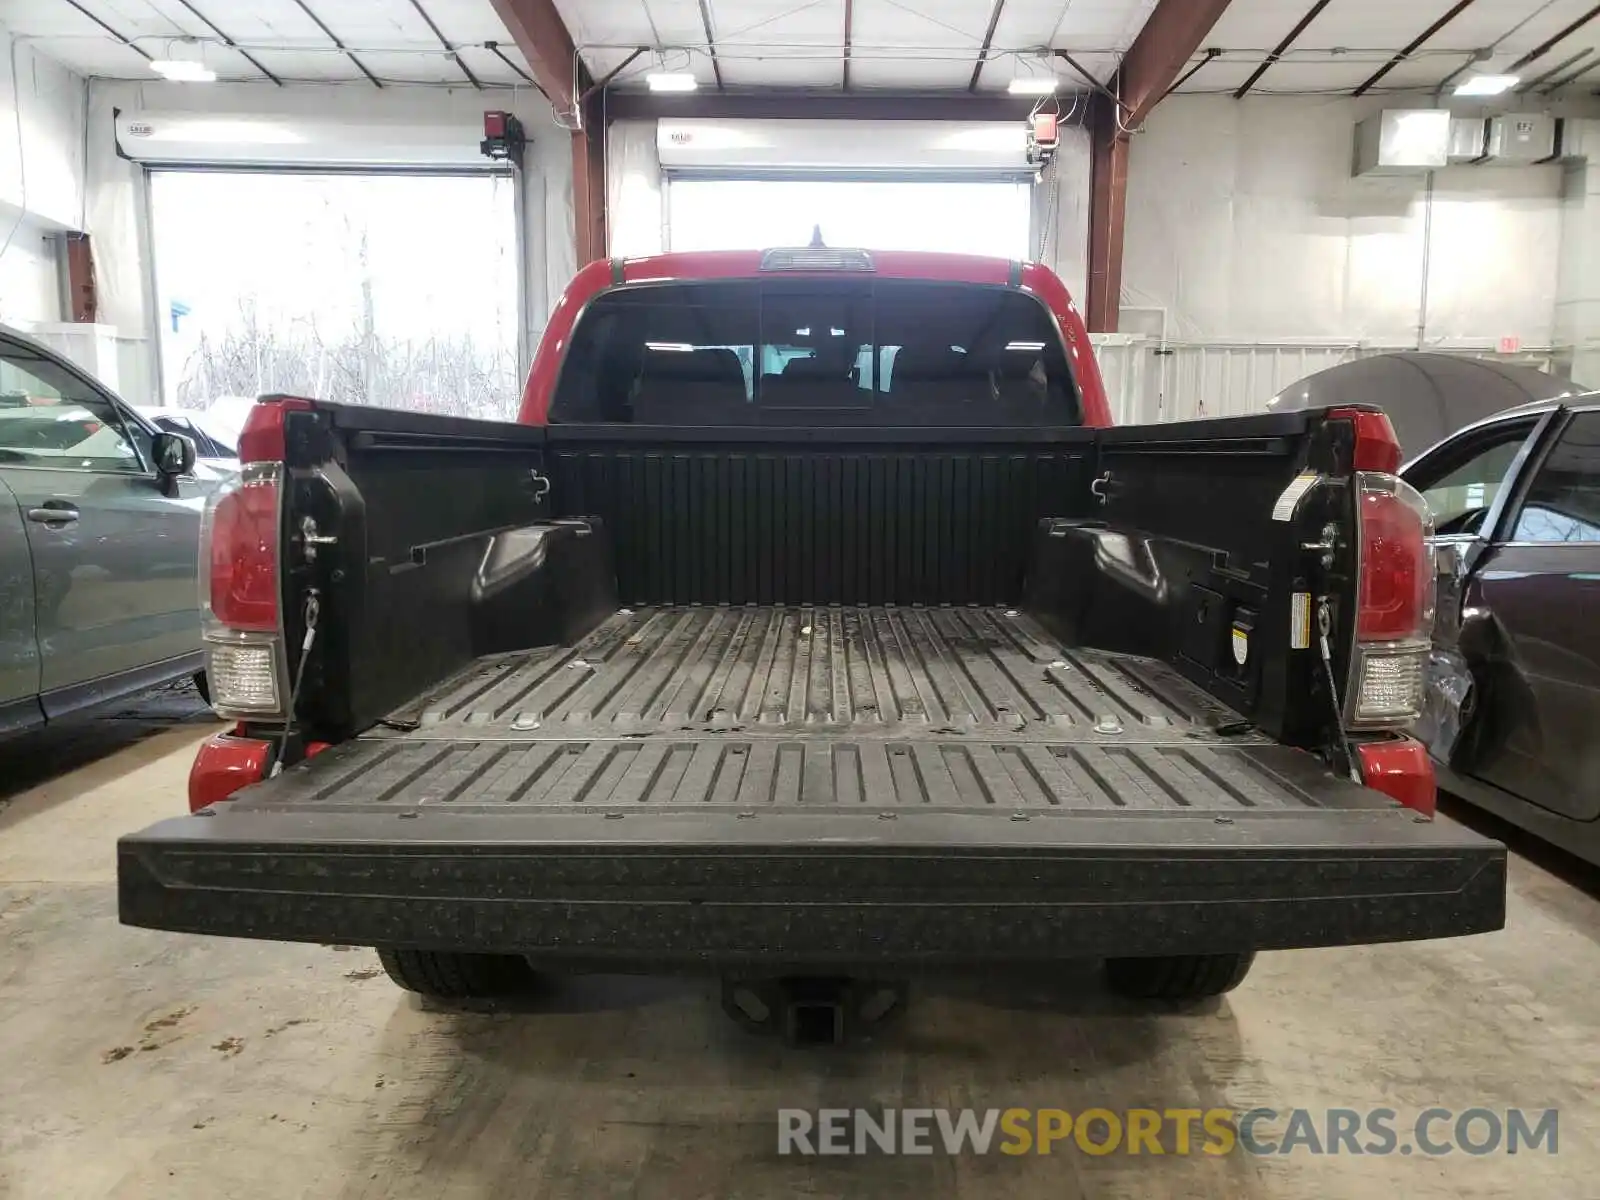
{"x": 602, "y": 274}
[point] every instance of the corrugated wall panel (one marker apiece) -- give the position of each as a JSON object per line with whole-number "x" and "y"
{"x": 1146, "y": 383}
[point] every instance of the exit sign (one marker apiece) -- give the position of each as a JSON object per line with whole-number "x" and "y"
{"x": 1510, "y": 345}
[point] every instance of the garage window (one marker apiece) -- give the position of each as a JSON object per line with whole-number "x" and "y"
{"x": 397, "y": 290}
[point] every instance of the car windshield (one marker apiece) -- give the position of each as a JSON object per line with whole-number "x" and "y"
{"x": 852, "y": 352}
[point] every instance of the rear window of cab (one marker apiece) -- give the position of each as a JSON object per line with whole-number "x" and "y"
{"x": 856, "y": 352}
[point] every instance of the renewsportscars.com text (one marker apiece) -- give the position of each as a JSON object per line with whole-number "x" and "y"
{"x": 1176, "y": 1131}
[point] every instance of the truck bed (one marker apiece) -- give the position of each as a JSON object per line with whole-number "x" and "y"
{"x": 703, "y": 786}
{"x": 956, "y": 708}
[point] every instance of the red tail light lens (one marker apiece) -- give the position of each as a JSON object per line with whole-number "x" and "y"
{"x": 261, "y": 439}
{"x": 1396, "y": 565}
{"x": 1376, "y": 448}
{"x": 240, "y": 537}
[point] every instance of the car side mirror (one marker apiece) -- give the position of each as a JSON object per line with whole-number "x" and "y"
{"x": 174, "y": 455}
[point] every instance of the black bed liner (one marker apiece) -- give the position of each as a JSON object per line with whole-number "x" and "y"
{"x": 955, "y": 708}
{"x": 798, "y": 785}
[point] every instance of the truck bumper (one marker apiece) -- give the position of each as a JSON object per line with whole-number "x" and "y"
{"x": 721, "y": 890}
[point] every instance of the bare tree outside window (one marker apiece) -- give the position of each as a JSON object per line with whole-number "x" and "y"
{"x": 398, "y": 292}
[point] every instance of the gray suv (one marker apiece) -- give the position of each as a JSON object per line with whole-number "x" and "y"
{"x": 99, "y": 542}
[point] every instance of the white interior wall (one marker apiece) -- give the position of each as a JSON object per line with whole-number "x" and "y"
{"x": 41, "y": 177}
{"x": 119, "y": 222}
{"x": 1245, "y": 226}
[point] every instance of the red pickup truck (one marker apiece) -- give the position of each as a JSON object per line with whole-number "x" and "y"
{"x": 813, "y": 622}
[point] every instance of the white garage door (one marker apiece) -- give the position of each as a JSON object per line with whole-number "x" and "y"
{"x": 902, "y": 185}
{"x": 965, "y": 217}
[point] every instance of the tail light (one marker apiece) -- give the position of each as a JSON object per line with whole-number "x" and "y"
{"x": 241, "y": 622}
{"x": 1394, "y": 614}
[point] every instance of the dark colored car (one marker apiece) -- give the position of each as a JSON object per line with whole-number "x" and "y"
{"x": 1426, "y": 396}
{"x": 1513, "y": 702}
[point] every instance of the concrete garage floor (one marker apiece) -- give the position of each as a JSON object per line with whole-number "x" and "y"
{"x": 142, "y": 1064}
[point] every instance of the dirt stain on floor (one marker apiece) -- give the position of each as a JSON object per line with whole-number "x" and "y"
{"x": 168, "y": 1021}
{"x": 116, "y": 1054}
{"x": 229, "y": 1047}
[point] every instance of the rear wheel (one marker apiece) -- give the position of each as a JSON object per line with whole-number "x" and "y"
{"x": 450, "y": 976}
{"x": 203, "y": 686}
{"x": 1178, "y": 976}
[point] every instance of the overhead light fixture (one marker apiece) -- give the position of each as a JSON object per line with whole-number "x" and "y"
{"x": 1033, "y": 85}
{"x": 671, "y": 81}
{"x": 179, "y": 70}
{"x": 1486, "y": 85}
{"x": 184, "y": 63}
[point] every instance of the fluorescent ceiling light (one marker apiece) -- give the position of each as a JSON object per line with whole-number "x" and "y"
{"x": 1486, "y": 85}
{"x": 182, "y": 70}
{"x": 1033, "y": 85}
{"x": 671, "y": 81}
{"x": 674, "y": 347}
{"x": 1025, "y": 346}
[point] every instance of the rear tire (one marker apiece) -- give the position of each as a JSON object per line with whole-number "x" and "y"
{"x": 1178, "y": 976}
{"x": 203, "y": 686}
{"x": 446, "y": 975}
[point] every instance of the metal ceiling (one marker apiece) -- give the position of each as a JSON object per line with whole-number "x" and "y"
{"x": 370, "y": 42}
{"x": 1258, "y": 47}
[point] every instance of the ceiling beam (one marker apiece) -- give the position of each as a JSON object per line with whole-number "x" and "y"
{"x": 449, "y": 50}
{"x": 338, "y": 45}
{"x": 600, "y": 84}
{"x": 1416, "y": 43}
{"x": 1211, "y": 55}
{"x": 228, "y": 41}
{"x": 1149, "y": 70}
{"x": 1281, "y": 48}
{"x": 537, "y": 29}
{"x": 711, "y": 42}
{"x": 1108, "y": 207}
{"x": 494, "y": 49}
{"x": 589, "y": 182}
{"x": 1545, "y": 46}
{"x": 1083, "y": 71}
{"x": 849, "y": 22}
{"x": 558, "y": 72}
{"x": 1169, "y": 39}
{"x": 123, "y": 38}
{"x": 1570, "y": 77}
{"x": 988, "y": 40}
{"x": 1528, "y": 85}
{"x": 781, "y": 104}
